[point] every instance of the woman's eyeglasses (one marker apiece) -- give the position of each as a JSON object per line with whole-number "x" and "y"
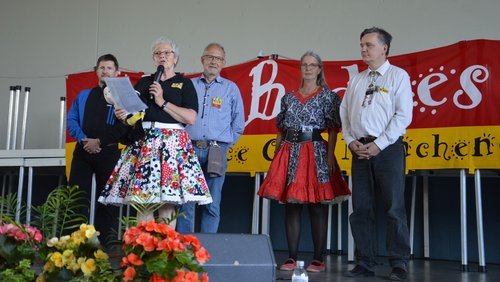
{"x": 159, "y": 53}
{"x": 310, "y": 66}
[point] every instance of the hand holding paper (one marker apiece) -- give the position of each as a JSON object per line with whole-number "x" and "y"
{"x": 124, "y": 95}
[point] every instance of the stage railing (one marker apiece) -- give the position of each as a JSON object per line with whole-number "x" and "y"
{"x": 22, "y": 157}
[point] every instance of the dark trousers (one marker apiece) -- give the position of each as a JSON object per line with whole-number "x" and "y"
{"x": 386, "y": 172}
{"x": 102, "y": 164}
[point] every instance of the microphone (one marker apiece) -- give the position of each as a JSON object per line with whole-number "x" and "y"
{"x": 158, "y": 74}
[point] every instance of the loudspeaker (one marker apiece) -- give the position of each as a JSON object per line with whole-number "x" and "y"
{"x": 238, "y": 257}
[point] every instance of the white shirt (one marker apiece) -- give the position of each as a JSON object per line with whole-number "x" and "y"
{"x": 389, "y": 113}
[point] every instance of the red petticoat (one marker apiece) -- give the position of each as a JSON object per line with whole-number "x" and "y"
{"x": 305, "y": 187}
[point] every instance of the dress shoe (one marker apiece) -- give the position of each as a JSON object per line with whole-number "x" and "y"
{"x": 316, "y": 266}
{"x": 360, "y": 271}
{"x": 398, "y": 274}
{"x": 288, "y": 265}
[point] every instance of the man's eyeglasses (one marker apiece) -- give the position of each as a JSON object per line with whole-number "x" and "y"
{"x": 310, "y": 66}
{"x": 159, "y": 53}
{"x": 213, "y": 58}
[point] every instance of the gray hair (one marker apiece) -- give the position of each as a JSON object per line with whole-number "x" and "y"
{"x": 215, "y": 44}
{"x": 165, "y": 40}
{"x": 320, "y": 79}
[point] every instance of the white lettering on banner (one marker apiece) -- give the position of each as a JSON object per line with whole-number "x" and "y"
{"x": 352, "y": 70}
{"x": 474, "y": 73}
{"x": 424, "y": 89}
{"x": 260, "y": 89}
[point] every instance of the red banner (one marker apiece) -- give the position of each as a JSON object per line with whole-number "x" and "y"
{"x": 455, "y": 121}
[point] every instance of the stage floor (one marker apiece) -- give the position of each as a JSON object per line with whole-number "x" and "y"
{"x": 419, "y": 270}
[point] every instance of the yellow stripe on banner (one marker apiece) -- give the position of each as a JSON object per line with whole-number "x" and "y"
{"x": 70, "y": 147}
{"x": 474, "y": 147}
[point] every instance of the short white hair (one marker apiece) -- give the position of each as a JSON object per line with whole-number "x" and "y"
{"x": 165, "y": 40}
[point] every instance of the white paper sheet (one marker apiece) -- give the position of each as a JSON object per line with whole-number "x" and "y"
{"x": 124, "y": 95}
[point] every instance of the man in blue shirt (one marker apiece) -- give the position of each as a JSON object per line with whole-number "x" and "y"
{"x": 220, "y": 122}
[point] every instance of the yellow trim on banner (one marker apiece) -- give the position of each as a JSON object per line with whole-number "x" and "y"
{"x": 473, "y": 147}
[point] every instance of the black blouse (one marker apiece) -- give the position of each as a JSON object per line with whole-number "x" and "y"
{"x": 177, "y": 90}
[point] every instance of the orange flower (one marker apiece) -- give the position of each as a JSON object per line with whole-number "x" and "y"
{"x": 129, "y": 274}
{"x": 134, "y": 259}
{"x": 191, "y": 276}
{"x": 157, "y": 278}
{"x": 179, "y": 277}
{"x": 130, "y": 235}
{"x": 150, "y": 225}
{"x": 163, "y": 229}
{"x": 192, "y": 240}
{"x": 163, "y": 246}
{"x": 176, "y": 245}
{"x": 171, "y": 233}
{"x": 147, "y": 241}
{"x": 202, "y": 255}
{"x": 150, "y": 238}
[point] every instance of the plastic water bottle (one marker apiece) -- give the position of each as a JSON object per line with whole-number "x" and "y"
{"x": 299, "y": 273}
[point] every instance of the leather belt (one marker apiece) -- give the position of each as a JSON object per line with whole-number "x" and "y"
{"x": 367, "y": 139}
{"x": 299, "y": 136}
{"x": 203, "y": 144}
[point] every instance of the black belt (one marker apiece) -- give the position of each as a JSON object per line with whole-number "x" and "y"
{"x": 203, "y": 144}
{"x": 367, "y": 139}
{"x": 299, "y": 136}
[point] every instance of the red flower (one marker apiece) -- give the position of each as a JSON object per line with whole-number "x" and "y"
{"x": 134, "y": 259}
{"x": 157, "y": 278}
{"x": 202, "y": 255}
{"x": 147, "y": 241}
{"x": 192, "y": 240}
{"x": 129, "y": 274}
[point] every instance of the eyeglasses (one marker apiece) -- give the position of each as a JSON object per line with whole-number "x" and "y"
{"x": 311, "y": 66}
{"x": 159, "y": 53}
{"x": 213, "y": 58}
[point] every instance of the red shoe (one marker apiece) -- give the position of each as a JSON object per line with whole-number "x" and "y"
{"x": 316, "y": 266}
{"x": 288, "y": 265}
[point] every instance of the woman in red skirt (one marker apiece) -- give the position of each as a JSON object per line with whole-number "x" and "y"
{"x": 304, "y": 170}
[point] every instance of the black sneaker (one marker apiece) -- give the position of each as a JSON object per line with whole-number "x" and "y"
{"x": 360, "y": 271}
{"x": 398, "y": 274}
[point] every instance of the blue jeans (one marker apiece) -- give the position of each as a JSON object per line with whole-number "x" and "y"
{"x": 386, "y": 171}
{"x": 210, "y": 214}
